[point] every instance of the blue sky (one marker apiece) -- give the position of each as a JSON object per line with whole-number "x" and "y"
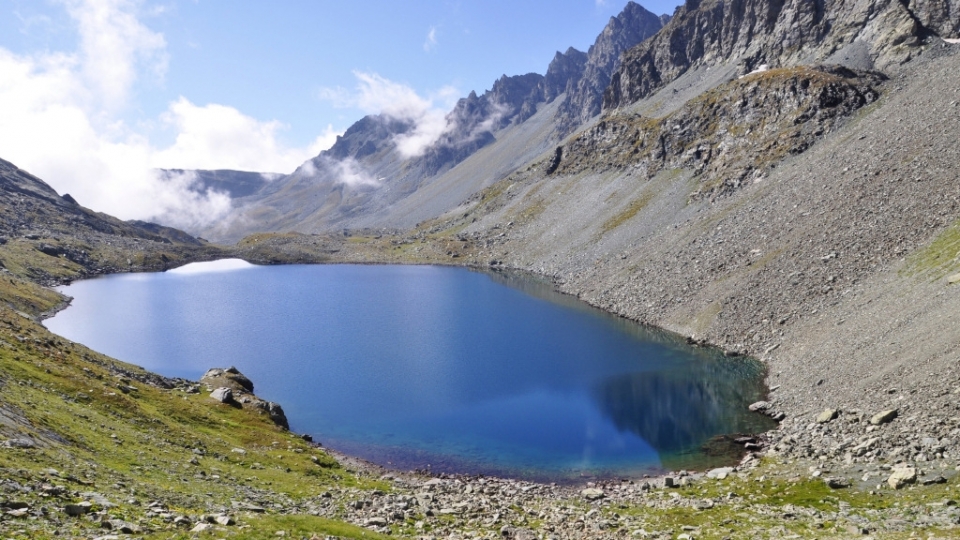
{"x": 95, "y": 93}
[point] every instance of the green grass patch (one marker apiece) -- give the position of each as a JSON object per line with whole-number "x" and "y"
{"x": 940, "y": 258}
{"x": 632, "y": 209}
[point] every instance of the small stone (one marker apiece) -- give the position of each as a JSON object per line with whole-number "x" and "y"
{"x": 902, "y": 477}
{"x": 517, "y": 533}
{"x": 883, "y": 417}
{"x": 77, "y": 509}
{"x": 592, "y": 494}
{"x": 759, "y": 406}
{"x": 22, "y": 443}
{"x": 249, "y": 507}
{"x": 224, "y": 520}
{"x": 827, "y": 415}
{"x": 669, "y": 481}
{"x": 932, "y": 479}
{"x": 835, "y": 482}
{"x": 201, "y": 527}
{"x": 223, "y": 395}
{"x": 953, "y": 279}
{"x": 124, "y": 527}
{"x": 376, "y": 522}
{"x": 720, "y": 473}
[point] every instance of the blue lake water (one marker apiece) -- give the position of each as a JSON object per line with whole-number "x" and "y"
{"x": 431, "y": 367}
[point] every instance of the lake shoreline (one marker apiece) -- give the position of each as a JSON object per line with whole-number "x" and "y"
{"x": 718, "y": 384}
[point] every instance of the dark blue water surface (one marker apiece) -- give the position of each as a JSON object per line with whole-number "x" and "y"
{"x": 432, "y": 367}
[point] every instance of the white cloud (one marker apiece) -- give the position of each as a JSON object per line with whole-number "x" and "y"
{"x": 220, "y": 137}
{"x": 60, "y": 121}
{"x": 378, "y": 95}
{"x": 431, "y": 41}
{"x": 113, "y": 46}
{"x": 351, "y": 173}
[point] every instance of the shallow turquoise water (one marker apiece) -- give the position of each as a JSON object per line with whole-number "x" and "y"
{"x": 432, "y": 367}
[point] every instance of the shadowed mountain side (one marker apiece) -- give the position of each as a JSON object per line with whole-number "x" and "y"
{"x": 515, "y": 146}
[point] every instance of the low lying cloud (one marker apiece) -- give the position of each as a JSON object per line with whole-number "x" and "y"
{"x": 351, "y": 174}
{"x": 348, "y": 171}
{"x": 60, "y": 122}
{"x": 377, "y": 95}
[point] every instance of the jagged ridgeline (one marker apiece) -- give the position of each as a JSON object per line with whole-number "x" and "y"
{"x": 370, "y": 179}
{"x": 649, "y": 64}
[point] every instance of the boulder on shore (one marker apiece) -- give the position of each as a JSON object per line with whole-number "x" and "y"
{"x": 230, "y": 386}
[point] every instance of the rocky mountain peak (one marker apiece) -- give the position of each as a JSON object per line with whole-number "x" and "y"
{"x": 515, "y": 95}
{"x": 565, "y": 68}
{"x": 367, "y": 136}
{"x": 584, "y": 95}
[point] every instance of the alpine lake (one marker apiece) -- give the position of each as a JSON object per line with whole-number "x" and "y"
{"x": 434, "y": 368}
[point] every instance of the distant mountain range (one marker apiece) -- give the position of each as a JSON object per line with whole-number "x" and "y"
{"x": 639, "y": 61}
{"x": 364, "y": 181}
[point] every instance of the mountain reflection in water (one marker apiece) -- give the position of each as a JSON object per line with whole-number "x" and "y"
{"x": 677, "y": 412}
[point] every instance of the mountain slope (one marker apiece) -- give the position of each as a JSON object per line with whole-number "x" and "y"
{"x": 373, "y": 168}
{"x": 48, "y": 238}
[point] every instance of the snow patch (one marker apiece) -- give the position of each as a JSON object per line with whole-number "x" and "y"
{"x": 222, "y": 265}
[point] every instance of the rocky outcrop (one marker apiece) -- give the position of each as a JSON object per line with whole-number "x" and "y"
{"x": 941, "y": 17}
{"x": 584, "y": 94}
{"x": 730, "y": 134}
{"x": 778, "y": 34}
{"x": 229, "y": 386}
